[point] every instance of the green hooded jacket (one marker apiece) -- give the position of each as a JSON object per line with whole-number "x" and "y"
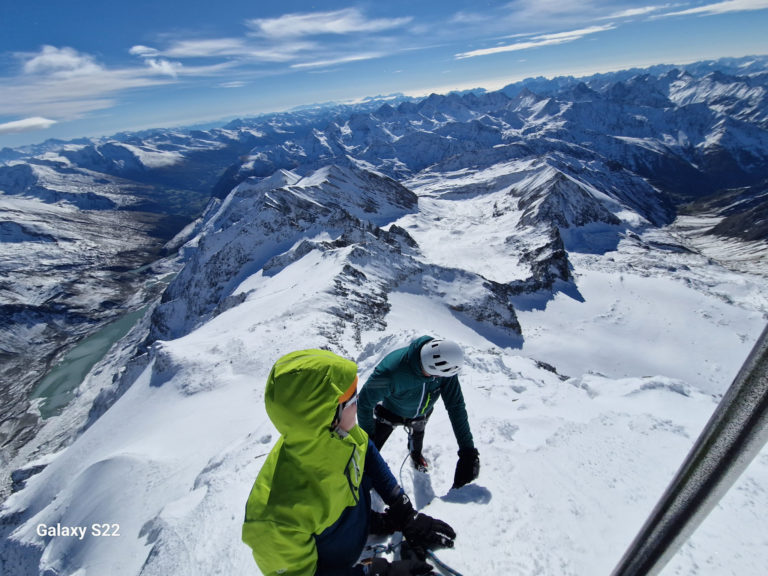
{"x": 312, "y": 473}
{"x": 399, "y": 383}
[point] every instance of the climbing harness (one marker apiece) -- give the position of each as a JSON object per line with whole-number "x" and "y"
{"x": 383, "y": 548}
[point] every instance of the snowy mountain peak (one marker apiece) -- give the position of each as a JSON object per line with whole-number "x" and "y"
{"x": 364, "y": 194}
{"x": 260, "y": 219}
{"x": 552, "y": 196}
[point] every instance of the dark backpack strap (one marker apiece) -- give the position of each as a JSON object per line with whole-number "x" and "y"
{"x": 387, "y": 416}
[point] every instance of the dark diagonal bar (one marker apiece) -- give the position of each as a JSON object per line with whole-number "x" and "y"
{"x": 734, "y": 435}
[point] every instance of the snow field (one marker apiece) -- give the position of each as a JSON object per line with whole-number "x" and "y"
{"x": 622, "y": 328}
{"x": 570, "y": 469}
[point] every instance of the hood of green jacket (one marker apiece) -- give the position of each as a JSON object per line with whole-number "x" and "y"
{"x": 303, "y": 392}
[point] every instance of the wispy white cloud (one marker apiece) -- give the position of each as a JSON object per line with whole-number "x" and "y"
{"x": 337, "y": 61}
{"x": 299, "y": 40}
{"x": 61, "y": 62}
{"x": 233, "y": 48}
{"x": 340, "y": 22}
{"x": 548, "y": 11}
{"x": 233, "y": 84}
{"x": 164, "y": 67}
{"x": 634, "y": 12}
{"x": 463, "y": 17}
{"x": 571, "y": 35}
{"x": 723, "y": 8}
{"x": 200, "y": 48}
{"x": 143, "y": 51}
{"x": 62, "y": 83}
{"x": 26, "y": 125}
{"x": 522, "y": 15}
{"x": 302, "y": 41}
{"x": 537, "y": 41}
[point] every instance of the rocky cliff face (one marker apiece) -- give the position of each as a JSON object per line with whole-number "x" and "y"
{"x": 344, "y": 214}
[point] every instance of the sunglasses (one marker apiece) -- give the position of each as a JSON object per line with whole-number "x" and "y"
{"x": 349, "y": 402}
{"x": 343, "y": 405}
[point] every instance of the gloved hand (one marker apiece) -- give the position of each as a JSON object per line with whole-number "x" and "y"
{"x": 421, "y": 531}
{"x": 381, "y": 567}
{"x": 467, "y": 468}
{"x": 381, "y": 524}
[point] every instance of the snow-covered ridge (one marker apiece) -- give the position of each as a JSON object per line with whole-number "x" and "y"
{"x": 263, "y": 227}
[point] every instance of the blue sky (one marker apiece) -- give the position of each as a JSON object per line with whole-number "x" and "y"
{"x": 86, "y": 68}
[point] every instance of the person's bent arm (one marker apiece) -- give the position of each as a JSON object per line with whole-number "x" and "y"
{"x": 376, "y": 388}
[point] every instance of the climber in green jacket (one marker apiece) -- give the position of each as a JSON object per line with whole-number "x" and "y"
{"x": 403, "y": 390}
{"x": 309, "y": 511}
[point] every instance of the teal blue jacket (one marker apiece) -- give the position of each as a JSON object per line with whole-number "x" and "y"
{"x": 399, "y": 383}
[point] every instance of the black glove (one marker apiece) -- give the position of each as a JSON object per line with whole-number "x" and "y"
{"x": 400, "y": 511}
{"x": 426, "y": 532}
{"x": 381, "y": 524}
{"x": 467, "y": 468}
{"x": 380, "y": 567}
{"x": 421, "y": 531}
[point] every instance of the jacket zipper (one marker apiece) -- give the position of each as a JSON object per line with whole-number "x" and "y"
{"x": 353, "y": 461}
{"x": 423, "y": 390}
{"x": 426, "y": 404}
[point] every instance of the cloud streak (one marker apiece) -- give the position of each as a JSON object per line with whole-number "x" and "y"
{"x": 230, "y": 48}
{"x": 26, "y": 125}
{"x": 537, "y": 42}
{"x": 300, "y": 40}
{"x": 634, "y": 12}
{"x": 723, "y": 8}
{"x": 336, "y": 61}
{"x": 337, "y": 22}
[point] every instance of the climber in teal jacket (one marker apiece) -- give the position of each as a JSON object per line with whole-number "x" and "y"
{"x": 403, "y": 390}
{"x": 309, "y": 511}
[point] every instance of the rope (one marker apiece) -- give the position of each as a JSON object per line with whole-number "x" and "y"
{"x": 444, "y": 568}
{"x": 401, "y": 470}
{"x": 380, "y": 548}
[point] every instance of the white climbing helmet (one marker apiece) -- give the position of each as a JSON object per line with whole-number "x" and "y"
{"x": 441, "y": 358}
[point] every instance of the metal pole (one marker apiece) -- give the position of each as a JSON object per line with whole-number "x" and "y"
{"x": 734, "y": 435}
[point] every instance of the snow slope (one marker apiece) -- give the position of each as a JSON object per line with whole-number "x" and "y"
{"x": 570, "y": 468}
